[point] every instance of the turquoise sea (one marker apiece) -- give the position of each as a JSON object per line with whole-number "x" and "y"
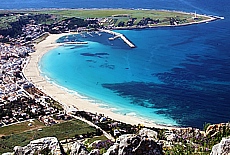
{"x": 175, "y": 76}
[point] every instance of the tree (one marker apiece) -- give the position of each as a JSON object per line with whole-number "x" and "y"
{"x": 45, "y": 151}
{"x": 121, "y": 24}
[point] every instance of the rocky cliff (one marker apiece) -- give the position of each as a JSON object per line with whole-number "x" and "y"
{"x": 40, "y": 146}
{"x": 222, "y": 148}
{"x": 143, "y": 143}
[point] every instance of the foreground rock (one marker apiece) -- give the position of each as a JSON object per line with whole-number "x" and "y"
{"x": 223, "y": 148}
{"x": 143, "y": 143}
{"x": 40, "y": 146}
{"x": 95, "y": 152}
{"x": 78, "y": 149}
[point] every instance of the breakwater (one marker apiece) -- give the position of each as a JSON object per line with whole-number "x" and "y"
{"x": 75, "y": 42}
{"x": 119, "y": 35}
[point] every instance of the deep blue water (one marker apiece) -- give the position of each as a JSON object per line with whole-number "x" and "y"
{"x": 160, "y": 4}
{"x": 177, "y": 75}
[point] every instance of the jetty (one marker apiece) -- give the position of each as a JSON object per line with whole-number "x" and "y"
{"x": 119, "y": 35}
{"x": 75, "y": 42}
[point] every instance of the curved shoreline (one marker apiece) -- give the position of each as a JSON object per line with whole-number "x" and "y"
{"x": 210, "y": 19}
{"x": 67, "y": 99}
{"x": 32, "y": 73}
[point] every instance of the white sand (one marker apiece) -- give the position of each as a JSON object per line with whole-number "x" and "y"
{"x": 67, "y": 99}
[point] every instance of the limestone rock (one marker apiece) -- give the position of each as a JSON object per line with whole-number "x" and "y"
{"x": 49, "y": 144}
{"x": 223, "y": 148}
{"x": 113, "y": 150}
{"x": 95, "y": 152}
{"x": 213, "y": 129}
{"x": 78, "y": 149}
{"x": 8, "y": 153}
{"x": 148, "y": 132}
{"x": 135, "y": 145}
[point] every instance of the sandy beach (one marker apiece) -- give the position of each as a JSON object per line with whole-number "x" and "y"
{"x": 67, "y": 99}
{"x": 31, "y": 72}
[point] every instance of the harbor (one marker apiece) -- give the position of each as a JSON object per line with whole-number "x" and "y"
{"x": 119, "y": 35}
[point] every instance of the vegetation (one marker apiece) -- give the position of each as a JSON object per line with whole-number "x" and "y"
{"x": 62, "y": 131}
{"x": 96, "y": 138}
{"x": 192, "y": 144}
{"x": 14, "y": 24}
{"x": 103, "y": 146}
{"x": 6, "y": 110}
{"x": 11, "y": 23}
{"x": 55, "y": 104}
{"x": 45, "y": 151}
{"x": 107, "y": 124}
{"x": 90, "y": 143}
{"x": 6, "y": 20}
{"x": 16, "y": 19}
{"x": 115, "y": 13}
{"x": 188, "y": 141}
{"x": 123, "y": 15}
{"x": 42, "y": 38}
{"x": 21, "y": 127}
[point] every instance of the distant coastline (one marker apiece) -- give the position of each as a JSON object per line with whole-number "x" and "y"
{"x": 194, "y": 15}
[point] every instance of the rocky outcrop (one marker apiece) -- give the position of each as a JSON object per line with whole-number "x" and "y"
{"x": 144, "y": 143}
{"x": 113, "y": 150}
{"x": 148, "y": 132}
{"x": 78, "y": 149}
{"x": 130, "y": 144}
{"x": 43, "y": 145}
{"x": 95, "y": 152}
{"x": 8, "y": 153}
{"x": 213, "y": 129}
{"x": 223, "y": 148}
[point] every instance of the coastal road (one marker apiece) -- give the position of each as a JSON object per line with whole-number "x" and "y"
{"x": 93, "y": 125}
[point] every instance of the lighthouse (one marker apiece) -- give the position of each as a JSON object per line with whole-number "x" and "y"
{"x": 195, "y": 16}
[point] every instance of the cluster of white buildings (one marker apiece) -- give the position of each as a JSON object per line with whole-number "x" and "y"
{"x": 12, "y": 89}
{"x": 19, "y": 100}
{"x": 12, "y": 60}
{"x": 30, "y": 32}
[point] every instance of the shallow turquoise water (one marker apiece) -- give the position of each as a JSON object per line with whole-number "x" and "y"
{"x": 175, "y": 75}
{"x": 86, "y": 68}
{"x": 165, "y": 79}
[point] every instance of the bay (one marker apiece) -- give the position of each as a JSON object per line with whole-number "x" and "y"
{"x": 175, "y": 75}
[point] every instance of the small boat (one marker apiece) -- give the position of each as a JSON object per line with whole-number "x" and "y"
{"x": 111, "y": 38}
